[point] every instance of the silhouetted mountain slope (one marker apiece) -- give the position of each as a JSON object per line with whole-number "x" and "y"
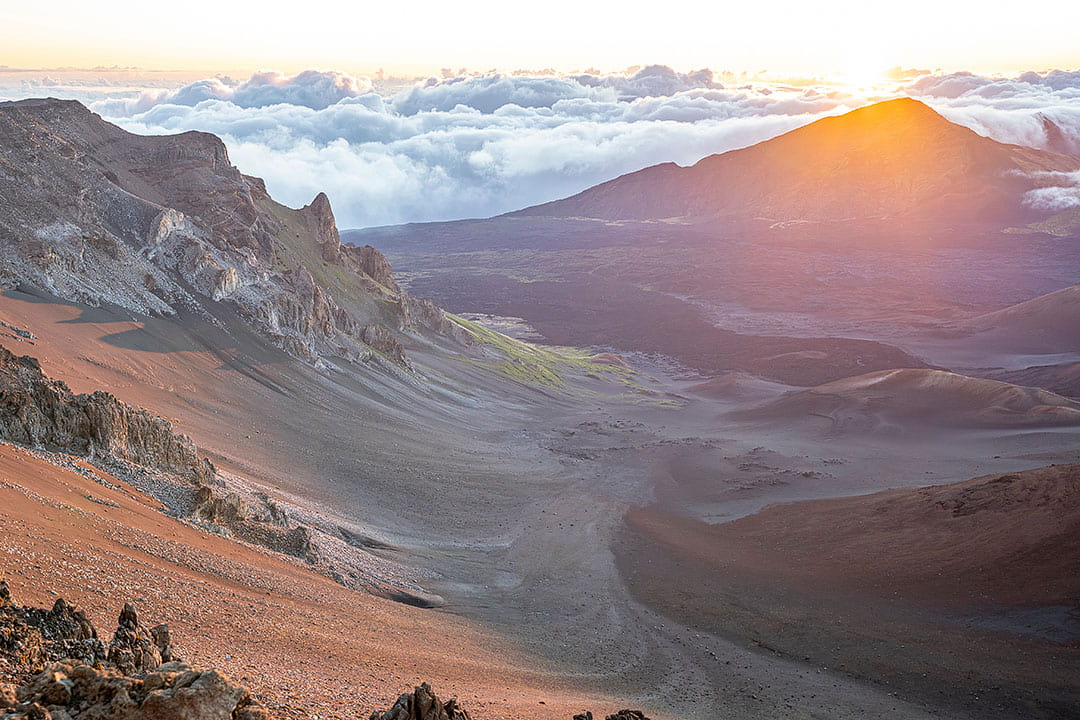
{"x": 896, "y": 159}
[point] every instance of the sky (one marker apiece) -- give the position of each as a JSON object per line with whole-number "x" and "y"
{"x": 422, "y": 36}
{"x": 437, "y": 111}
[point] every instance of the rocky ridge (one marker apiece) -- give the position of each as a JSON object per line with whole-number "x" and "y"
{"x": 166, "y": 225}
{"x": 40, "y": 412}
{"x": 43, "y": 414}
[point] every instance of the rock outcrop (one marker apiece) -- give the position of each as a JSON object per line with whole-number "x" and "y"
{"x": 621, "y": 715}
{"x": 173, "y": 691}
{"x": 372, "y": 263}
{"x": 30, "y": 638}
{"x": 62, "y": 670}
{"x": 324, "y": 227}
{"x": 133, "y": 649}
{"x": 422, "y": 704}
{"x": 41, "y": 412}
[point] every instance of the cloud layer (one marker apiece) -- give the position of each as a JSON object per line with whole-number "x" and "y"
{"x": 472, "y": 145}
{"x": 477, "y": 145}
{"x": 1041, "y": 110}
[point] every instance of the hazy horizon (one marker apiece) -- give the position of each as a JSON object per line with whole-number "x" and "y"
{"x": 391, "y": 150}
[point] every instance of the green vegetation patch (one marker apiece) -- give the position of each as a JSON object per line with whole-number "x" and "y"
{"x": 536, "y": 365}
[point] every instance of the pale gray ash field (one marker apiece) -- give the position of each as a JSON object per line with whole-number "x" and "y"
{"x": 791, "y": 432}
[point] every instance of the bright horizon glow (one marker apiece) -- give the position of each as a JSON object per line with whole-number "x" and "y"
{"x": 855, "y": 40}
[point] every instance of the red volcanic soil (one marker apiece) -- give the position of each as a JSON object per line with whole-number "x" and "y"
{"x": 964, "y": 594}
{"x": 307, "y": 646}
{"x": 1012, "y": 539}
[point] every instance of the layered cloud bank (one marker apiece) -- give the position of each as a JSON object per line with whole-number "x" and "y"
{"x": 467, "y": 146}
{"x": 478, "y": 145}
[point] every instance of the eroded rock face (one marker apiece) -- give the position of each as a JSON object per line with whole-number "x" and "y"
{"x": 158, "y": 225}
{"x": 379, "y": 338}
{"x": 422, "y": 704}
{"x": 324, "y": 227}
{"x": 426, "y": 314}
{"x": 372, "y": 263}
{"x": 38, "y": 411}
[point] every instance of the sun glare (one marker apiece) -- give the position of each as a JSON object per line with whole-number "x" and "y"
{"x": 864, "y": 73}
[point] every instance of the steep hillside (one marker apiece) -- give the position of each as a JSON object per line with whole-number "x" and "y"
{"x": 896, "y": 159}
{"x": 166, "y": 225}
{"x": 263, "y": 618}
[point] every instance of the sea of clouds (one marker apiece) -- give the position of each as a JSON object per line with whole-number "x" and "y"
{"x": 474, "y": 145}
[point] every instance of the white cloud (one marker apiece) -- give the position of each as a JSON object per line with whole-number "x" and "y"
{"x": 1041, "y": 110}
{"x": 472, "y": 145}
{"x": 1062, "y": 192}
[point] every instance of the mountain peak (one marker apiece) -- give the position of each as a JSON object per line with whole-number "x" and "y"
{"x": 897, "y": 160}
{"x": 324, "y": 226}
{"x": 897, "y": 106}
{"x": 891, "y": 119}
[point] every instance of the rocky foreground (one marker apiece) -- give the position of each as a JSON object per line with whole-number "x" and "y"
{"x": 54, "y": 666}
{"x": 62, "y": 670}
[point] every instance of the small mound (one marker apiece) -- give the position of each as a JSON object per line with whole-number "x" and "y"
{"x": 1062, "y": 379}
{"x": 1007, "y": 539}
{"x": 911, "y": 398}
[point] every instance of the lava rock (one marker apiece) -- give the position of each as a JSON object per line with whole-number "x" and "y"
{"x": 422, "y": 704}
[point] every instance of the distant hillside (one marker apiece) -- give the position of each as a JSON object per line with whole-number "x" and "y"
{"x": 915, "y": 400}
{"x": 1049, "y": 322}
